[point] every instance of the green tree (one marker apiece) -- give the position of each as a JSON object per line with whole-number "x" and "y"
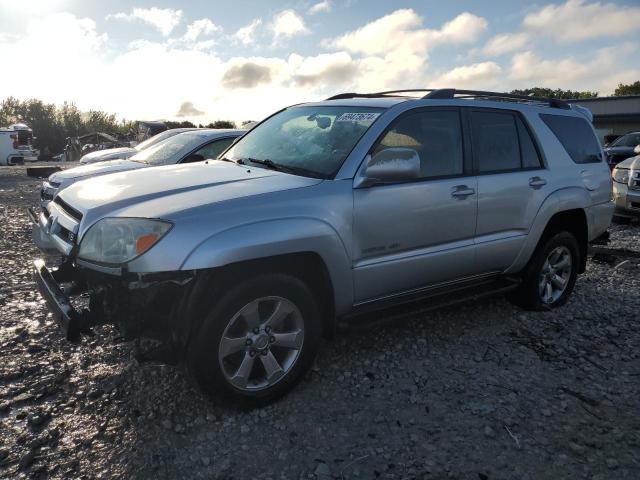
{"x": 183, "y": 124}
{"x": 630, "y": 89}
{"x": 222, "y": 124}
{"x": 557, "y": 93}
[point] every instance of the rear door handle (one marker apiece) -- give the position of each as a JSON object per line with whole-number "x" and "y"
{"x": 462, "y": 191}
{"x": 537, "y": 182}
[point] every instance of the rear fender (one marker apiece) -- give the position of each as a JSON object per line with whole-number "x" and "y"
{"x": 570, "y": 198}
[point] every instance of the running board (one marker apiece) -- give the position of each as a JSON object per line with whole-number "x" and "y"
{"x": 381, "y": 313}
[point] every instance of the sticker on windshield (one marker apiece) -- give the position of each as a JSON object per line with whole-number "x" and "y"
{"x": 368, "y": 117}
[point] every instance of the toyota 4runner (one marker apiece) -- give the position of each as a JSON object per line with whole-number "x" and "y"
{"x": 322, "y": 213}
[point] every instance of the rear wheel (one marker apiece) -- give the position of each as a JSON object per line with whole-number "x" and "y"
{"x": 551, "y": 273}
{"x": 258, "y": 340}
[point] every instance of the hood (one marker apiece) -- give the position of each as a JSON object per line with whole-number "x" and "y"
{"x": 108, "y": 154}
{"x": 160, "y": 192}
{"x": 95, "y": 169}
{"x": 630, "y": 163}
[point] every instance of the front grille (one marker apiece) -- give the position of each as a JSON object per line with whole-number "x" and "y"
{"x": 635, "y": 180}
{"x": 45, "y": 195}
{"x": 68, "y": 209}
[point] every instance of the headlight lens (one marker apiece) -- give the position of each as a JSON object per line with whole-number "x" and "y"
{"x": 620, "y": 175}
{"x": 119, "y": 240}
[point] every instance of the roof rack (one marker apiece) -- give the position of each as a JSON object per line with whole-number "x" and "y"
{"x": 450, "y": 93}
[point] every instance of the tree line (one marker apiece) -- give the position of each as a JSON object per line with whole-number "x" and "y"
{"x": 52, "y": 124}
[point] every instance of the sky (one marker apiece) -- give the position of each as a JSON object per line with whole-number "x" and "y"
{"x": 204, "y": 60}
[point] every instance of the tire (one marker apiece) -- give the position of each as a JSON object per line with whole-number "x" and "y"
{"x": 241, "y": 369}
{"x": 531, "y": 294}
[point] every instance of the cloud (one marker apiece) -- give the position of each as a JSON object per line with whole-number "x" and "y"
{"x": 202, "y": 27}
{"x": 287, "y": 24}
{"x": 528, "y": 69}
{"x": 188, "y": 110}
{"x": 482, "y": 75}
{"x": 576, "y": 20}
{"x": 246, "y": 34}
{"x": 163, "y": 19}
{"x": 401, "y": 30}
{"x": 506, "y": 43}
{"x": 247, "y": 74}
{"x": 324, "y": 6}
{"x": 326, "y": 69}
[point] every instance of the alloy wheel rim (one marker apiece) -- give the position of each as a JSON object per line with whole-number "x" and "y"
{"x": 555, "y": 274}
{"x": 261, "y": 343}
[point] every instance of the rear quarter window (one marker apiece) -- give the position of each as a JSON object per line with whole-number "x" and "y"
{"x": 576, "y": 136}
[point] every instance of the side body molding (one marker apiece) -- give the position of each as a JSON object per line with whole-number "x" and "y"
{"x": 269, "y": 238}
{"x": 559, "y": 201}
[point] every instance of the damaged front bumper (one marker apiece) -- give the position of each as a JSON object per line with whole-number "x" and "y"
{"x": 140, "y": 305}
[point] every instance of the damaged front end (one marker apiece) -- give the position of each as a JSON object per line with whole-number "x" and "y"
{"x": 139, "y": 304}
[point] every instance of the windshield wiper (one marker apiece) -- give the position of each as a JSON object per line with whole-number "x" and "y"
{"x": 267, "y": 163}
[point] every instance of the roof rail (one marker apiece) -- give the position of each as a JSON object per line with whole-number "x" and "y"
{"x": 341, "y": 96}
{"x": 449, "y": 93}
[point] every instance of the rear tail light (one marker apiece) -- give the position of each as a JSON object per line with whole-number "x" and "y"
{"x": 14, "y": 137}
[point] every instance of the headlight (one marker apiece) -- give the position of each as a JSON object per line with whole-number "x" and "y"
{"x": 119, "y": 240}
{"x": 620, "y": 175}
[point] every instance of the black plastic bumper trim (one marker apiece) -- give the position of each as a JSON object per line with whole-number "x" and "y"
{"x": 58, "y": 302}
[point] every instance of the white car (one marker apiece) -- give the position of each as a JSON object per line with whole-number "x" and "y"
{"x": 15, "y": 145}
{"x": 186, "y": 147}
{"x": 127, "y": 152}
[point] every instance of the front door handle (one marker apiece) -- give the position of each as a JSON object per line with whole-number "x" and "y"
{"x": 462, "y": 191}
{"x": 537, "y": 182}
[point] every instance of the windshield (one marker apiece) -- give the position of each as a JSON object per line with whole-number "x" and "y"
{"x": 628, "y": 140}
{"x": 311, "y": 141}
{"x": 170, "y": 150}
{"x": 149, "y": 142}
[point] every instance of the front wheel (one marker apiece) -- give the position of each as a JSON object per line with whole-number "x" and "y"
{"x": 551, "y": 273}
{"x": 258, "y": 340}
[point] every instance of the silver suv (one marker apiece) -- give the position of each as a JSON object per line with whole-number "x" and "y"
{"x": 324, "y": 212}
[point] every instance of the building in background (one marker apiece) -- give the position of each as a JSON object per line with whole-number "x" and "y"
{"x": 613, "y": 116}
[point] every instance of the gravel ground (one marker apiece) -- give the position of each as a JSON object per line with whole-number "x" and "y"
{"x": 476, "y": 391}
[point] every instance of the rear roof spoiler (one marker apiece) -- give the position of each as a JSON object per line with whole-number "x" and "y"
{"x": 583, "y": 110}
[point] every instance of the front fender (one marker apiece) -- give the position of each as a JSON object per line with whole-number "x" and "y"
{"x": 570, "y": 198}
{"x": 269, "y": 238}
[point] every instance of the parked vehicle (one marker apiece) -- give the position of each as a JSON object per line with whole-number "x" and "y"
{"x": 626, "y": 187}
{"x": 16, "y": 145}
{"x": 323, "y": 213}
{"x": 127, "y": 152}
{"x": 622, "y": 148}
{"x": 188, "y": 146}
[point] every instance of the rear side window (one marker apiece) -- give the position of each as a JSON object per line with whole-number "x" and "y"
{"x": 495, "y": 141}
{"x": 576, "y": 136}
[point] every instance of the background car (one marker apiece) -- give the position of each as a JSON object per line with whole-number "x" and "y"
{"x": 188, "y": 146}
{"x": 626, "y": 188}
{"x": 622, "y": 148}
{"x": 127, "y": 152}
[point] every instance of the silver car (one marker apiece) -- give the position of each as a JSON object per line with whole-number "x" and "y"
{"x": 626, "y": 187}
{"x": 323, "y": 213}
{"x": 127, "y": 152}
{"x": 183, "y": 147}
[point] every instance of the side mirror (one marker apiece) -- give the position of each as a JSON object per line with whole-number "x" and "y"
{"x": 391, "y": 165}
{"x": 637, "y": 150}
{"x": 194, "y": 157}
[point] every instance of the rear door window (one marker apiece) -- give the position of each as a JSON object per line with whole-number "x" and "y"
{"x": 530, "y": 155}
{"x": 576, "y": 136}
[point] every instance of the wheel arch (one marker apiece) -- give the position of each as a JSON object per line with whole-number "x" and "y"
{"x": 564, "y": 209}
